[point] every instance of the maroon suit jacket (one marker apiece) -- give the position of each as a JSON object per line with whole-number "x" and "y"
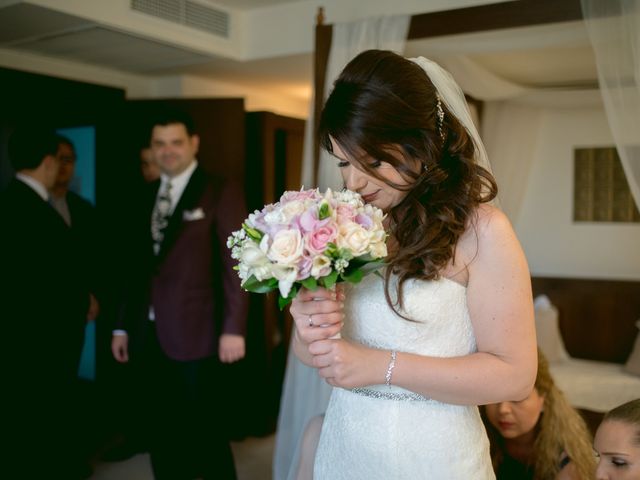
{"x": 191, "y": 284}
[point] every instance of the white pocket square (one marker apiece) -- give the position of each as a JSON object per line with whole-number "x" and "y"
{"x": 191, "y": 215}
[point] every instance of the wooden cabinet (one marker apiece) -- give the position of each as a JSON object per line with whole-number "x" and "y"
{"x": 274, "y": 146}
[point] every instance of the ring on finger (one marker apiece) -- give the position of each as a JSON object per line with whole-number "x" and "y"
{"x": 311, "y": 320}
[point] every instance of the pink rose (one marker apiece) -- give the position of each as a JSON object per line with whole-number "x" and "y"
{"x": 317, "y": 240}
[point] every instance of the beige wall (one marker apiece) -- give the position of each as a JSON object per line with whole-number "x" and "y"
{"x": 554, "y": 244}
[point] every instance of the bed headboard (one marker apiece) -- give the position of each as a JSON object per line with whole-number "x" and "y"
{"x": 597, "y": 317}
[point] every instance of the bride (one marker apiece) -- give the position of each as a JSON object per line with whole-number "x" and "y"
{"x": 449, "y": 325}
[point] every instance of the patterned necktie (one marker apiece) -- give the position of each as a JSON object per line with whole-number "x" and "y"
{"x": 160, "y": 216}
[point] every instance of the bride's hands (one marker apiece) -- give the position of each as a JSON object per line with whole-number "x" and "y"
{"x": 348, "y": 365}
{"x": 317, "y": 314}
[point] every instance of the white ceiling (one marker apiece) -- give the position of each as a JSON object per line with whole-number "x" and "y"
{"x": 545, "y": 56}
{"x": 248, "y": 4}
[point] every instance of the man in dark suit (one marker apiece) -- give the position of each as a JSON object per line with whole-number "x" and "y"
{"x": 80, "y": 216}
{"x": 190, "y": 309}
{"x": 43, "y": 306}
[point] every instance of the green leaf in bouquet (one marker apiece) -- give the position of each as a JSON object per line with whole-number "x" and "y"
{"x": 253, "y": 233}
{"x": 252, "y": 284}
{"x": 354, "y": 276}
{"x": 324, "y": 210}
{"x": 372, "y": 266}
{"x": 283, "y": 302}
{"x": 345, "y": 254}
{"x": 330, "y": 280}
{"x": 358, "y": 262}
{"x": 309, "y": 283}
{"x": 332, "y": 250}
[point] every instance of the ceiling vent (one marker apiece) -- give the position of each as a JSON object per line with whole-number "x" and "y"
{"x": 186, "y": 12}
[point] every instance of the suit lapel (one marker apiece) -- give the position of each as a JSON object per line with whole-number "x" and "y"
{"x": 32, "y": 203}
{"x": 192, "y": 193}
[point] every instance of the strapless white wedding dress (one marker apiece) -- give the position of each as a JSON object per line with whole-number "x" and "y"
{"x": 381, "y": 432}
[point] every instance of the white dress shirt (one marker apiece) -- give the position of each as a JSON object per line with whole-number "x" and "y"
{"x": 35, "y": 185}
{"x": 178, "y": 184}
{"x": 62, "y": 207}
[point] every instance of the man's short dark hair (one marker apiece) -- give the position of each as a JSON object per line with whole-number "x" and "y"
{"x": 169, "y": 115}
{"x": 28, "y": 146}
{"x": 62, "y": 140}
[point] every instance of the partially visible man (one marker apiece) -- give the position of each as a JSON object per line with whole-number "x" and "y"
{"x": 148, "y": 166}
{"x": 80, "y": 216}
{"x": 186, "y": 312}
{"x": 43, "y": 317}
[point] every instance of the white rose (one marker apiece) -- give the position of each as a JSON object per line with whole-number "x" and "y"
{"x": 354, "y": 238}
{"x": 320, "y": 266}
{"x": 286, "y": 247}
{"x": 293, "y": 208}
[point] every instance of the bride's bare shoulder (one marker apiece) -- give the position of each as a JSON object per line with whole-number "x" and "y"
{"x": 487, "y": 225}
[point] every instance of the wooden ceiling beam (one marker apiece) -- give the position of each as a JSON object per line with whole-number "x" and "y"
{"x": 519, "y": 13}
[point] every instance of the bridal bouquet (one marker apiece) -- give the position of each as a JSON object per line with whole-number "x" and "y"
{"x": 308, "y": 239}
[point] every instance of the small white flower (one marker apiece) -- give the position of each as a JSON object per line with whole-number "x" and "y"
{"x": 320, "y": 266}
{"x": 285, "y": 275}
{"x": 252, "y": 256}
{"x": 349, "y": 197}
{"x": 378, "y": 250}
{"x": 275, "y": 217}
{"x": 341, "y": 264}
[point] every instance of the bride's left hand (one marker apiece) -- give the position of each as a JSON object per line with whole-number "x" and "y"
{"x": 348, "y": 365}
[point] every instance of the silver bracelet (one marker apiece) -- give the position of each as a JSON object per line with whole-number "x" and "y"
{"x": 392, "y": 364}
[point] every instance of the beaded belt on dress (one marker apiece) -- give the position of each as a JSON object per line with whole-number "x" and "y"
{"x": 406, "y": 396}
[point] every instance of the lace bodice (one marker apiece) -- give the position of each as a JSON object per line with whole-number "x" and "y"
{"x": 441, "y": 325}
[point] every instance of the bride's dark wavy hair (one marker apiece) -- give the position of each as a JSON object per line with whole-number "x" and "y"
{"x": 384, "y": 107}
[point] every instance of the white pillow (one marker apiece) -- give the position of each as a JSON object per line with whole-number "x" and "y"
{"x": 548, "y": 331}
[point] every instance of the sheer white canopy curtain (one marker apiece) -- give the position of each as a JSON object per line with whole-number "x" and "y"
{"x": 305, "y": 395}
{"x": 614, "y": 32}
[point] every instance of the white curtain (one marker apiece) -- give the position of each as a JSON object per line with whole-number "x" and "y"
{"x": 614, "y": 32}
{"x": 477, "y": 81}
{"x": 349, "y": 39}
{"x": 510, "y": 133}
{"x": 509, "y": 129}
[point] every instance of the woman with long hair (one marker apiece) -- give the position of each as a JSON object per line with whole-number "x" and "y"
{"x": 541, "y": 437}
{"x": 448, "y": 325}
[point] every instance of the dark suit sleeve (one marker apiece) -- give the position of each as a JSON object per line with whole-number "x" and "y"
{"x": 231, "y": 213}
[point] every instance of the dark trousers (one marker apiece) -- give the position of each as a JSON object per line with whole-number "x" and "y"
{"x": 186, "y": 415}
{"x": 41, "y": 426}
